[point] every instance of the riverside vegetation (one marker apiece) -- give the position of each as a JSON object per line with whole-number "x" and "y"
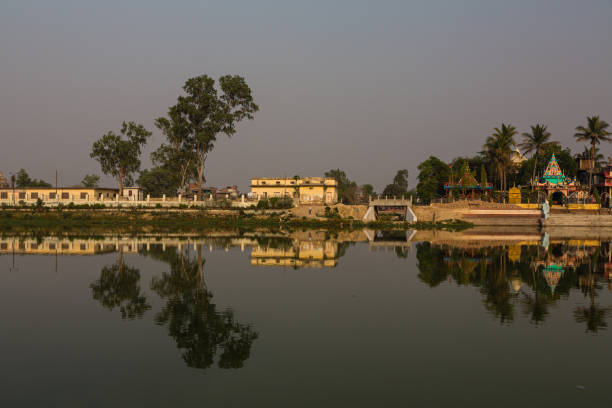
{"x": 91, "y": 219}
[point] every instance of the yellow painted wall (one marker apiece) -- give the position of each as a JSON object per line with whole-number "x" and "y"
{"x": 307, "y": 189}
{"x": 61, "y": 194}
{"x": 530, "y": 206}
{"x": 584, "y": 206}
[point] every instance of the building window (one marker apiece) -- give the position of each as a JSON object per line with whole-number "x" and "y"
{"x": 4, "y": 196}
{"x": 34, "y": 196}
{"x": 65, "y": 196}
{"x": 52, "y": 196}
{"x": 278, "y": 182}
{"x": 4, "y": 245}
{"x": 130, "y": 193}
{"x": 83, "y": 247}
{"x": 263, "y": 182}
{"x": 65, "y": 245}
{"x": 52, "y": 246}
{"x": 34, "y": 246}
{"x": 22, "y": 196}
{"x": 83, "y": 196}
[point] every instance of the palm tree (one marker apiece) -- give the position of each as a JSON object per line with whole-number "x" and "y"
{"x": 595, "y": 132}
{"x": 598, "y": 158}
{"x": 497, "y": 149}
{"x": 535, "y": 142}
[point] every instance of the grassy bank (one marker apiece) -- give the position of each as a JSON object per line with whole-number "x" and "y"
{"x": 132, "y": 221}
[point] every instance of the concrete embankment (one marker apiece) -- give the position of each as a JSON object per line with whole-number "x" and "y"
{"x": 578, "y": 220}
{"x": 486, "y": 214}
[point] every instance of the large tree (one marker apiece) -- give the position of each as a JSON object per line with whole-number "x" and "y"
{"x": 399, "y": 187}
{"x": 119, "y": 155}
{"x": 595, "y": 132}
{"x": 534, "y": 142}
{"x": 158, "y": 181}
{"x": 178, "y": 155}
{"x": 498, "y": 148}
{"x": 347, "y": 189}
{"x": 205, "y": 112}
{"x": 433, "y": 173}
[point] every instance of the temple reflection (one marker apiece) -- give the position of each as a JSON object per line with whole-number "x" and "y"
{"x": 525, "y": 278}
{"x": 520, "y": 273}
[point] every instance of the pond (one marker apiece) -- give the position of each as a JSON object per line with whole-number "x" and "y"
{"x": 305, "y": 319}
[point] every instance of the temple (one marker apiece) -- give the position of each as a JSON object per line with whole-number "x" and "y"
{"x": 468, "y": 183}
{"x": 555, "y": 183}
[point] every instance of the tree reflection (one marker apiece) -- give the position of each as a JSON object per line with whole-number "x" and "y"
{"x": 593, "y": 315}
{"x": 528, "y": 276}
{"x": 119, "y": 287}
{"x": 193, "y": 321}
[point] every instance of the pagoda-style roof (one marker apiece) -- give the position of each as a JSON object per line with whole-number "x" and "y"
{"x": 553, "y": 173}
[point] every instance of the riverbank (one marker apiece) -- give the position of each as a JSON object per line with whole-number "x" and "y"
{"x": 148, "y": 220}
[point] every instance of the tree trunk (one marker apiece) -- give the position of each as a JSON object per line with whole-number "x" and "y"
{"x": 535, "y": 162}
{"x": 200, "y": 177}
{"x": 121, "y": 176}
{"x": 591, "y": 166}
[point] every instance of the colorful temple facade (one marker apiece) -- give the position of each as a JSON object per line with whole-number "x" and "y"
{"x": 555, "y": 183}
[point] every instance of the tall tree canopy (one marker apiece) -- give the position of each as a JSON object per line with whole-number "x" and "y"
{"x": 497, "y": 149}
{"x": 204, "y": 112}
{"x": 595, "y": 132}
{"x": 399, "y": 187}
{"x": 178, "y": 155}
{"x": 534, "y": 142}
{"x": 119, "y": 155}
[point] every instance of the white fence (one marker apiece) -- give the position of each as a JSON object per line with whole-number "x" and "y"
{"x": 152, "y": 202}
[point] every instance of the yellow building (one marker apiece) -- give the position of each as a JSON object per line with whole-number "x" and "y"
{"x": 52, "y": 194}
{"x": 307, "y": 190}
{"x": 312, "y": 254}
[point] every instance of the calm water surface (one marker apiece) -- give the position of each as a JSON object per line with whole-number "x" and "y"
{"x": 306, "y": 319}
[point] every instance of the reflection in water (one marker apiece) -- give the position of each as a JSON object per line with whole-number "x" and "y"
{"x": 518, "y": 275}
{"x": 193, "y": 321}
{"x": 524, "y": 279}
{"x": 119, "y": 286}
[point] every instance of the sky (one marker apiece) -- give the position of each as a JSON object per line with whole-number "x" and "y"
{"x": 369, "y": 87}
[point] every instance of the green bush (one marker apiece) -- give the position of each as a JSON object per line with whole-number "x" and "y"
{"x": 281, "y": 202}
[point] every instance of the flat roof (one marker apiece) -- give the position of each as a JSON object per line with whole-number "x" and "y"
{"x": 60, "y": 188}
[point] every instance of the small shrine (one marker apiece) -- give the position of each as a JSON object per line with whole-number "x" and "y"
{"x": 468, "y": 185}
{"x": 554, "y": 182}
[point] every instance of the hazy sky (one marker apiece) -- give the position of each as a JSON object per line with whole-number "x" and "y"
{"x": 367, "y": 86}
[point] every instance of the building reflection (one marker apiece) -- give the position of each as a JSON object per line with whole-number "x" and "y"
{"x": 313, "y": 249}
{"x": 519, "y": 275}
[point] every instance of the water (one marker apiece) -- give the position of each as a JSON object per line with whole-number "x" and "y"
{"x": 305, "y": 319}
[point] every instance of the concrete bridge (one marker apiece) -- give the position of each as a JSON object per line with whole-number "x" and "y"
{"x": 390, "y": 205}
